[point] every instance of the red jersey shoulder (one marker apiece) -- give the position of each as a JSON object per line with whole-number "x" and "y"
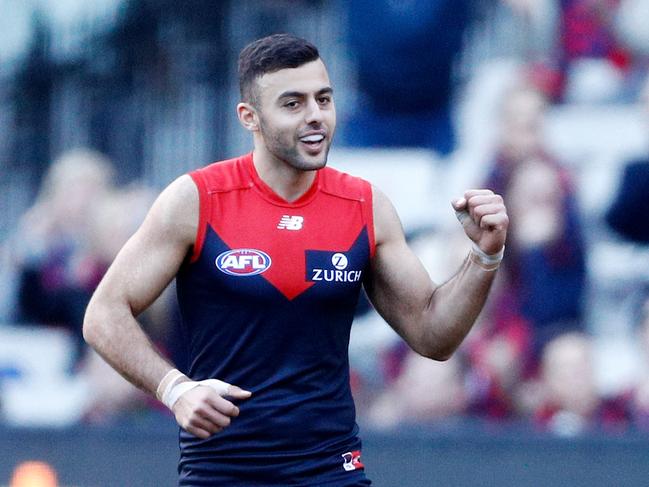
{"x": 344, "y": 185}
{"x": 227, "y": 175}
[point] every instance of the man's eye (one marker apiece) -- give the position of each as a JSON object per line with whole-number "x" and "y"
{"x": 324, "y": 100}
{"x": 291, "y": 104}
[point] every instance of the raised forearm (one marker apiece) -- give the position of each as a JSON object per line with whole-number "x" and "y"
{"x": 453, "y": 309}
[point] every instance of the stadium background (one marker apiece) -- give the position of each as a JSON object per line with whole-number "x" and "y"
{"x": 152, "y": 85}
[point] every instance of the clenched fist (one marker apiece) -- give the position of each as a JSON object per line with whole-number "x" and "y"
{"x": 484, "y": 218}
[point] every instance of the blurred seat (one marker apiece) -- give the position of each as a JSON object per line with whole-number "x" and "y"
{"x": 37, "y": 389}
{"x": 409, "y": 177}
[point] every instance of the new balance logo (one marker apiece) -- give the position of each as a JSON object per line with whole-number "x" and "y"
{"x": 290, "y": 222}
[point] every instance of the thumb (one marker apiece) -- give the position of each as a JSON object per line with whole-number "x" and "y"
{"x": 237, "y": 393}
{"x": 459, "y": 204}
{"x": 460, "y": 207}
{"x": 224, "y": 389}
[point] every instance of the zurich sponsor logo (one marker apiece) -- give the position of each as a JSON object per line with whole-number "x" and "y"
{"x": 339, "y": 261}
{"x": 340, "y": 273}
{"x": 243, "y": 262}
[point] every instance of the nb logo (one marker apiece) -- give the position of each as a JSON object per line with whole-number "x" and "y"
{"x": 290, "y": 222}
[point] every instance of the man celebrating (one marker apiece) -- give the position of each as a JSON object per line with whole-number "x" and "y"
{"x": 270, "y": 251}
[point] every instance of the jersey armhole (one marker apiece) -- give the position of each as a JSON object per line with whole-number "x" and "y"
{"x": 203, "y": 212}
{"x": 368, "y": 215}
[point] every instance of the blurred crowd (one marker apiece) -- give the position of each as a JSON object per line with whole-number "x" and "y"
{"x": 62, "y": 247}
{"x": 532, "y": 355}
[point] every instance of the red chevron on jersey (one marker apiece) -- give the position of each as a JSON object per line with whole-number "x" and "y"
{"x": 254, "y": 222}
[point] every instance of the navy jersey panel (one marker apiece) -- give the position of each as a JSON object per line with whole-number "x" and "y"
{"x": 267, "y": 303}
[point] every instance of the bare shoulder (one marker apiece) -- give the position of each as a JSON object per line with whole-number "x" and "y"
{"x": 387, "y": 225}
{"x": 175, "y": 212}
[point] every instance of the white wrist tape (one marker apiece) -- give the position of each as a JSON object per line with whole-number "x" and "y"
{"x": 461, "y": 216}
{"x": 167, "y": 383}
{"x": 173, "y": 393}
{"x": 489, "y": 260}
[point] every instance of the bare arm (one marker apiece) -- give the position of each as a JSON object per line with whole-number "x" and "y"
{"x": 141, "y": 271}
{"x": 434, "y": 319}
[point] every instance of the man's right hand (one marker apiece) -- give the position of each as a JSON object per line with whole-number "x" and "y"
{"x": 204, "y": 410}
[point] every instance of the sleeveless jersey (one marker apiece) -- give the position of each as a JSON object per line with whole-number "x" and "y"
{"x": 267, "y": 300}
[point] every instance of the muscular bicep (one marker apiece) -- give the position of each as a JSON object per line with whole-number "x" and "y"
{"x": 152, "y": 256}
{"x": 398, "y": 285}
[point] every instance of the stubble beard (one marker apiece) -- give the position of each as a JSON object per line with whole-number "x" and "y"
{"x": 287, "y": 150}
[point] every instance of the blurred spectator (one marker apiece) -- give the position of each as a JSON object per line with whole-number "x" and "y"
{"x": 540, "y": 285}
{"x": 592, "y": 60}
{"x": 114, "y": 219}
{"x": 544, "y": 271}
{"x": 55, "y": 273}
{"x": 68, "y": 239}
{"x": 596, "y": 57}
{"x": 587, "y": 31}
{"x": 571, "y": 403}
{"x": 109, "y": 394}
{"x": 570, "y": 396}
{"x": 404, "y": 54}
{"x": 424, "y": 392}
{"x": 496, "y": 352}
{"x": 628, "y": 213}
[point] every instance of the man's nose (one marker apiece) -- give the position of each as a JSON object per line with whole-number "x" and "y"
{"x": 313, "y": 112}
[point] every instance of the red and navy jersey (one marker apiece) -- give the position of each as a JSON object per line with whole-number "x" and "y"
{"x": 267, "y": 300}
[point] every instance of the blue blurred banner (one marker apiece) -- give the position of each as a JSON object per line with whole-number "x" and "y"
{"x": 146, "y": 455}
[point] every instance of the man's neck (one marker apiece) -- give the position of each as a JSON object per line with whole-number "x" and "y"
{"x": 286, "y": 181}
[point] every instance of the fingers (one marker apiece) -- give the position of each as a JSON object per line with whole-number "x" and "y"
{"x": 470, "y": 193}
{"x": 201, "y": 433}
{"x": 460, "y": 203}
{"x": 496, "y": 221}
{"x": 202, "y": 411}
{"x": 222, "y": 405}
{"x": 201, "y": 427}
{"x": 479, "y": 203}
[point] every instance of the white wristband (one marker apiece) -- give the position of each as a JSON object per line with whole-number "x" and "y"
{"x": 174, "y": 392}
{"x": 461, "y": 215}
{"x": 167, "y": 383}
{"x": 488, "y": 259}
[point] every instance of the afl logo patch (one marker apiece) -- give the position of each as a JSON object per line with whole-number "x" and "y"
{"x": 243, "y": 262}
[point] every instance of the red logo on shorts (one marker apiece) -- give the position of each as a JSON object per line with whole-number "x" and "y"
{"x": 352, "y": 460}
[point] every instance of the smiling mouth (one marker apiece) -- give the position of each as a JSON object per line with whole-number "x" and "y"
{"x": 313, "y": 143}
{"x": 312, "y": 140}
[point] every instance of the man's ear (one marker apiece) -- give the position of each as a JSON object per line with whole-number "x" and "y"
{"x": 248, "y": 116}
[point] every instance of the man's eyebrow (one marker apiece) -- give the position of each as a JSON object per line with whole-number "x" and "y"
{"x": 291, "y": 94}
{"x": 299, "y": 94}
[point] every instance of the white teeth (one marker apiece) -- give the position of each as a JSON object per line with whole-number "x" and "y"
{"x": 312, "y": 138}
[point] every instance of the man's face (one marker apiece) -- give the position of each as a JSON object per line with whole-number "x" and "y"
{"x": 297, "y": 116}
